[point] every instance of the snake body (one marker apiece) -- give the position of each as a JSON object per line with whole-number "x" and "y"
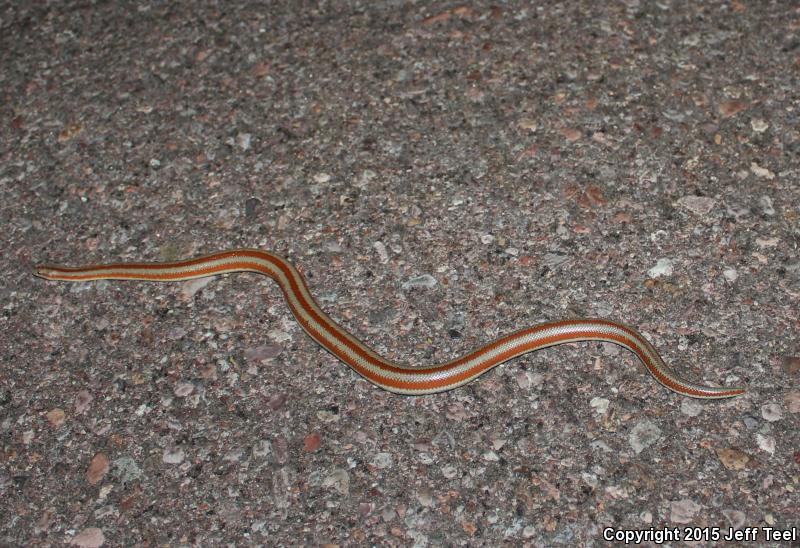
{"x": 391, "y": 376}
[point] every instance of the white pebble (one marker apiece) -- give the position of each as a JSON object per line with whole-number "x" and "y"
{"x": 683, "y": 511}
{"x": 663, "y": 268}
{"x": 690, "y": 407}
{"x": 730, "y": 274}
{"x": 173, "y": 456}
{"x": 766, "y": 443}
{"x": 766, "y": 205}
{"x": 243, "y": 140}
{"x": 184, "y": 389}
{"x": 771, "y": 412}
{"x": 449, "y": 472}
{"x": 761, "y": 172}
{"x": 600, "y": 405}
{"x": 380, "y": 249}
{"x": 425, "y": 281}
{"x": 339, "y": 480}
{"x": 643, "y": 435}
{"x": 382, "y": 460}
{"x": 322, "y": 178}
{"x": 698, "y": 204}
{"x": 759, "y": 125}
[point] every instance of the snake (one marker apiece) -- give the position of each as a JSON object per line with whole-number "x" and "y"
{"x": 384, "y": 373}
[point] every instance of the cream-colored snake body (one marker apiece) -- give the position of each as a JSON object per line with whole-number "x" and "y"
{"x": 391, "y": 376}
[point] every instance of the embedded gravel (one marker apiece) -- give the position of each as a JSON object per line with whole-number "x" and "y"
{"x": 443, "y": 173}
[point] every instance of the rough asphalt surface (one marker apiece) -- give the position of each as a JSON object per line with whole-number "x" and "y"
{"x": 443, "y": 173}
